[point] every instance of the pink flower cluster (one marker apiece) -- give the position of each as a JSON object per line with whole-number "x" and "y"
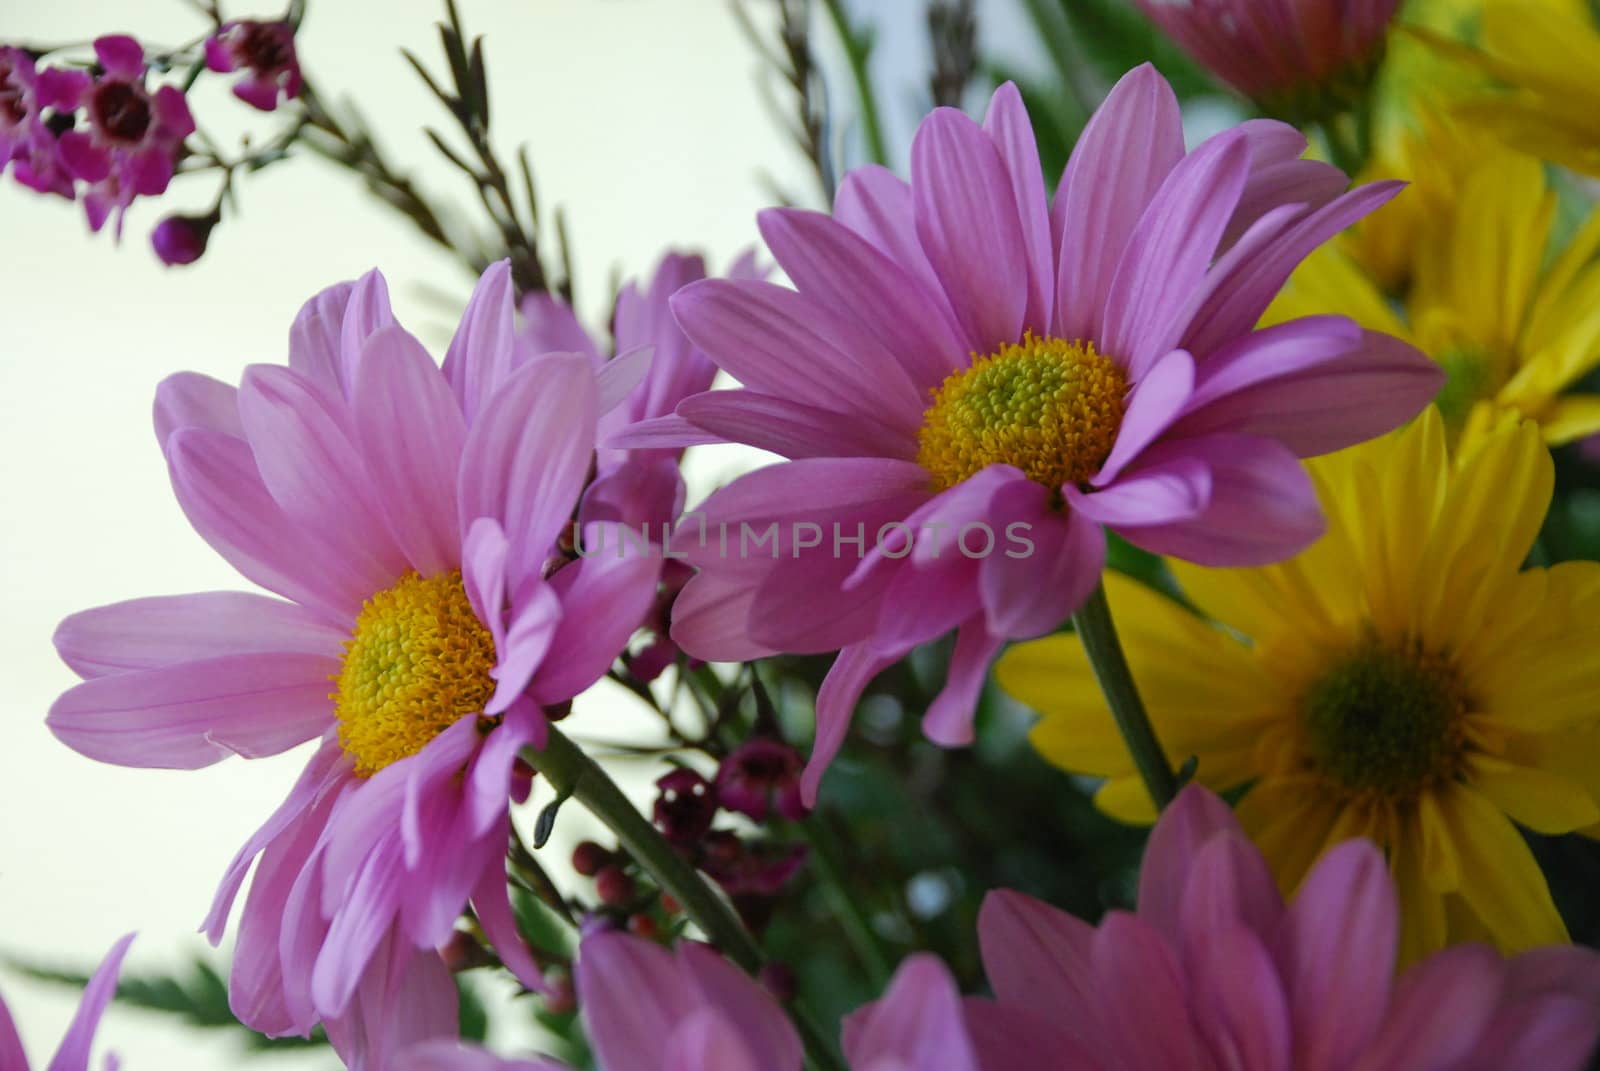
{"x": 1214, "y": 973}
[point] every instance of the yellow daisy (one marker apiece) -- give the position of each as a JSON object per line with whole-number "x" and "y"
{"x": 1546, "y": 54}
{"x": 1402, "y": 680}
{"x": 1469, "y": 268}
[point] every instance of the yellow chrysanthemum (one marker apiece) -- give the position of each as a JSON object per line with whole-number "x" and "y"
{"x": 1544, "y": 53}
{"x": 1403, "y": 680}
{"x": 1467, "y": 261}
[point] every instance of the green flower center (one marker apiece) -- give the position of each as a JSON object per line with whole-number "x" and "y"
{"x": 1469, "y": 378}
{"x": 1386, "y": 720}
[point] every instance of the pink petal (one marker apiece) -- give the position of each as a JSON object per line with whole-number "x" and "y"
{"x": 743, "y": 1004}
{"x": 459, "y": 1056}
{"x": 86, "y": 161}
{"x": 316, "y": 474}
{"x": 791, "y": 429}
{"x": 120, "y": 55}
{"x": 530, "y": 636}
{"x": 670, "y": 432}
{"x": 1162, "y": 489}
{"x": 1155, "y": 402}
{"x": 1125, "y": 153}
{"x": 620, "y": 376}
{"x": 187, "y": 399}
{"x": 841, "y": 690}
{"x": 193, "y": 714}
{"x": 1170, "y": 250}
{"x": 406, "y": 996}
{"x": 843, "y": 272}
{"x": 552, "y": 327}
{"x": 492, "y": 904}
{"x": 1261, "y": 508}
{"x": 412, "y": 434}
{"x": 527, "y": 457}
{"x": 706, "y": 1039}
{"x": 1316, "y": 385}
{"x": 967, "y": 223}
{"x": 1239, "y": 289}
{"x": 948, "y": 721}
{"x": 327, "y": 767}
{"x": 366, "y": 313}
{"x": 1240, "y": 1007}
{"x": 711, "y": 618}
{"x": 480, "y": 355}
{"x": 11, "y": 1052}
{"x": 1007, "y": 123}
{"x": 876, "y": 203}
{"x": 633, "y": 995}
{"x": 917, "y": 1026}
{"x": 783, "y": 343}
{"x": 73, "y": 1055}
{"x": 1038, "y": 958}
{"x": 219, "y": 487}
{"x": 167, "y": 629}
{"x": 1340, "y": 942}
{"x": 1441, "y": 1009}
{"x": 1194, "y": 819}
{"x": 1044, "y": 569}
{"x": 315, "y": 346}
{"x": 147, "y": 171}
{"x": 642, "y": 493}
{"x": 604, "y": 601}
{"x": 1140, "y": 995}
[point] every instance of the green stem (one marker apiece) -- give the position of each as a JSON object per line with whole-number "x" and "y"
{"x": 856, "y": 51}
{"x": 1099, "y": 636}
{"x": 573, "y": 773}
{"x": 829, "y": 872}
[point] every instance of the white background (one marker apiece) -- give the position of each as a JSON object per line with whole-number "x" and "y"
{"x": 642, "y": 120}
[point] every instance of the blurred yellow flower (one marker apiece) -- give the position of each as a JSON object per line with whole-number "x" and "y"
{"x": 1403, "y": 680}
{"x": 1465, "y": 255}
{"x": 1546, "y": 55}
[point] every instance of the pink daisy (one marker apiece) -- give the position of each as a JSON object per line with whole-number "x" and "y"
{"x": 73, "y": 1053}
{"x": 649, "y": 1009}
{"x": 972, "y": 381}
{"x": 410, "y": 519}
{"x": 1286, "y": 54}
{"x": 1215, "y": 972}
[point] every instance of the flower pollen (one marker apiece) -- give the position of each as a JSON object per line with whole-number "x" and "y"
{"x": 1386, "y": 720}
{"x": 1051, "y": 408}
{"x": 417, "y": 662}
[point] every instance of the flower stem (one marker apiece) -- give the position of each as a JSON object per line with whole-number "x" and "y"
{"x": 857, "y": 49}
{"x": 573, "y": 773}
{"x": 1099, "y": 635}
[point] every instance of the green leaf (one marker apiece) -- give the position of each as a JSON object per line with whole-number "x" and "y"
{"x": 198, "y": 997}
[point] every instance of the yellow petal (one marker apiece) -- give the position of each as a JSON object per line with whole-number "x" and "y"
{"x": 1544, "y": 802}
{"x": 1423, "y": 929}
{"x": 1288, "y": 819}
{"x": 1500, "y": 880}
{"x": 1573, "y": 417}
{"x": 1328, "y": 281}
{"x": 1126, "y": 800}
{"x": 1493, "y": 509}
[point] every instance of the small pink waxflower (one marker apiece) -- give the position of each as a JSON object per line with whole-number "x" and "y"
{"x": 649, "y": 1009}
{"x": 973, "y": 383}
{"x": 1216, "y": 972}
{"x": 33, "y": 106}
{"x": 409, "y": 517}
{"x": 761, "y": 777}
{"x": 73, "y": 1054}
{"x": 1301, "y": 60}
{"x": 265, "y": 52}
{"x": 134, "y": 137}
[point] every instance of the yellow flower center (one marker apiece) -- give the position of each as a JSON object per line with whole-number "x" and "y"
{"x": 417, "y": 662}
{"x": 1386, "y": 720}
{"x": 1050, "y": 407}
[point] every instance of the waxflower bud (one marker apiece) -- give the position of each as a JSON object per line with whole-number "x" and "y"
{"x": 685, "y": 806}
{"x": 588, "y": 857}
{"x": 182, "y": 239}
{"x": 614, "y": 886}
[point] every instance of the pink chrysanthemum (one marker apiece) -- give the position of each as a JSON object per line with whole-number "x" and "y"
{"x": 1286, "y": 54}
{"x": 961, "y": 353}
{"x": 1215, "y": 971}
{"x": 133, "y": 138}
{"x": 648, "y": 1009}
{"x": 73, "y": 1053}
{"x": 410, "y": 517}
